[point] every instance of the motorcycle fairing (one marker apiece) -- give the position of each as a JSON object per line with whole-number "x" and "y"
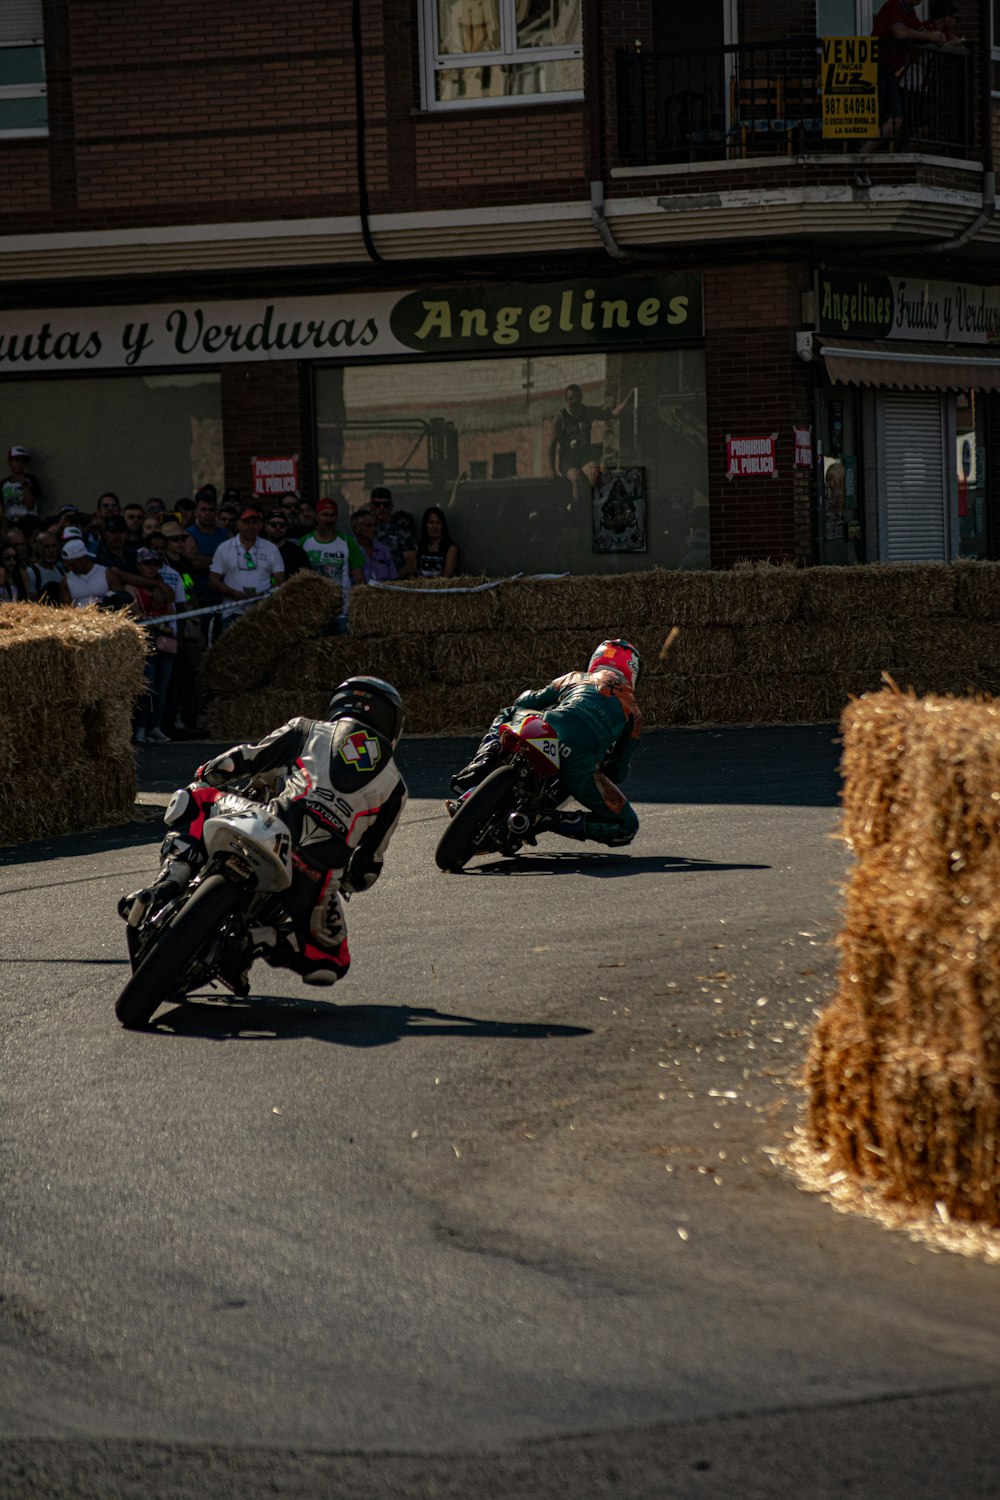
{"x": 529, "y": 735}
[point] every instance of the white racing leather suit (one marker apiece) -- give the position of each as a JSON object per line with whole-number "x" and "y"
{"x": 341, "y": 799}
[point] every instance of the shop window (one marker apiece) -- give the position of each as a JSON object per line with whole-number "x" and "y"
{"x": 23, "y": 102}
{"x": 494, "y": 52}
{"x": 173, "y": 423}
{"x": 581, "y": 462}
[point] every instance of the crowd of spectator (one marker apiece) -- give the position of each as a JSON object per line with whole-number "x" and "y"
{"x": 200, "y": 558}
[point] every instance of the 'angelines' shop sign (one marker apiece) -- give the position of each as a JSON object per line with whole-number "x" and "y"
{"x": 908, "y": 307}
{"x": 467, "y": 320}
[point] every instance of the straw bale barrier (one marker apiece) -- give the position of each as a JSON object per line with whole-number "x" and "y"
{"x": 68, "y": 679}
{"x": 443, "y": 609}
{"x": 904, "y": 1069}
{"x": 757, "y": 645}
{"x": 244, "y": 656}
{"x": 881, "y": 590}
{"x": 239, "y": 718}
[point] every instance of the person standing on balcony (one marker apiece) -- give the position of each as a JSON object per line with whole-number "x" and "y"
{"x": 897, "y": 22}
{"x": 572, "y": 453}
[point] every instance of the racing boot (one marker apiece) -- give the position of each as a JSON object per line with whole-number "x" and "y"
{"x": 485, "y": 760}
{"x": 174, "y": 876}
{"x": 235, "y": 965}
{"x": 570, "y": 824}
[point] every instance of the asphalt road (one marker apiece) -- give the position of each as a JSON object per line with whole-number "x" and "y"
{"x": 503, "y": 1218}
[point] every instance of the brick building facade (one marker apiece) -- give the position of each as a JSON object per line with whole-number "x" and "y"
{"x": 328, "y": 161}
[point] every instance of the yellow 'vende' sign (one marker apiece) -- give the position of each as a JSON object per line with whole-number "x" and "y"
{"x": 850, "y": 87}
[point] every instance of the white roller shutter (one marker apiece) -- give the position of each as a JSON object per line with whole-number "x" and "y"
{"x": 20, "y": 21}
{"x": 913, "y": 482}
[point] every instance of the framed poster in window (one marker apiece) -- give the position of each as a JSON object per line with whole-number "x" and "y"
{"x": 620, "y": 510}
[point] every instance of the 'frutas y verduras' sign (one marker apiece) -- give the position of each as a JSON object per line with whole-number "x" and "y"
{"x": 464, "y": 320}
{"x": 908, "y": 307}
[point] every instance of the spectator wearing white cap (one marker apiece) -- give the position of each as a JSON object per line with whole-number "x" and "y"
{"x": 20, "y": 491}
{"x": 86, "y": 581}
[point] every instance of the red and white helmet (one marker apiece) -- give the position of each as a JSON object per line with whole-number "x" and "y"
{"x": 622, "y": 656}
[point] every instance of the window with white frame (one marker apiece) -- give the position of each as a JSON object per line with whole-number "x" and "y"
{"x": 23, "y": 105}
{"x": 488, "y": 52}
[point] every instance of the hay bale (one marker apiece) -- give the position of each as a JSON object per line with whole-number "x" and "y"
{"x": 69, "y": 654}
{"x": 445, "y": 710}
{"x": 423, "y": 606}
{"x": 245, "y": 718}
{"x": 859, "y": 648}
{"x": 538, "y": 656}
{"x": 609, "y": 605}
{"x": 757, "y": 595}
{"x": 904, "y": 1069}
{"x": 768, "y": 698}
{"x": 245, "y": 655}
{"x": 879, "y": 590}
{"x": 874, "y": 736}
{"x": 533, "y": 658}
{"x": 69, "y": 678}
{"x": 977, "y": 589}
{"x": 932, "y": 655}
{"x": 319, "y": 665}
{"x": 626, "y": 603}
{"x": 668, "y": 701}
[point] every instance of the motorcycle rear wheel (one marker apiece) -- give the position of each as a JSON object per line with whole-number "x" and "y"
{"x": 161, "y": 975}
{"x": 459, "y": 842}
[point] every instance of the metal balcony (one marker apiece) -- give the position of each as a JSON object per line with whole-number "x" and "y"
{"x": 764, "y": 99}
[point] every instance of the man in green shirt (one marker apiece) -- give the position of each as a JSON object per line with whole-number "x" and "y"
{"x": 333, "y": 553}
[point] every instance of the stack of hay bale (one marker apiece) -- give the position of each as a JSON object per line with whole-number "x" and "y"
{"x": 904, "y": 1071}
{"x": 758, "y": 645}
{"x": 70, "y": 678}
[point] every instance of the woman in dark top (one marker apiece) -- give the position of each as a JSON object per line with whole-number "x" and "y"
{"x": 437, "y": 554}
{"x": 15, "y": 587}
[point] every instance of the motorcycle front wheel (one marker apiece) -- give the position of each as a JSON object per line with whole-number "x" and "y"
{"x": 162, "y": 973}
{"x": 461, "y": 839}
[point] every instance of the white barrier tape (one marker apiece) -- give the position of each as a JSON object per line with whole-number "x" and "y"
{"x": 477, "y": 588}
{"x": 234, "y": 605}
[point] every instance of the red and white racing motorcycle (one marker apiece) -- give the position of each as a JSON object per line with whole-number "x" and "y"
{"x": 499, "y": 815}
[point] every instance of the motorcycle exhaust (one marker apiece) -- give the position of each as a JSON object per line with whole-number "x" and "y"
{"x": 518, "y": 822}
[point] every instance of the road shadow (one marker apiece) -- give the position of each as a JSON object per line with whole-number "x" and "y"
{"x": 603, "y": 866}
{"x": 264, "y": 1018}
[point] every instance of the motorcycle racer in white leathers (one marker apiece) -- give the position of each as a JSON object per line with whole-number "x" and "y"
{"x": 341, "y": 796}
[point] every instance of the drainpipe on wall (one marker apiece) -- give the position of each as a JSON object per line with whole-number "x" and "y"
{"x": 600, "y": 223}
{"x": 595, "y": 133}
{"x": 359, "y": 134}
{"x": 979, "y": 222}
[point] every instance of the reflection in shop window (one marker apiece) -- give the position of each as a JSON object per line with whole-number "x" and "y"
{"x": 523, "y": 454}
{"x": 490, "y": 51}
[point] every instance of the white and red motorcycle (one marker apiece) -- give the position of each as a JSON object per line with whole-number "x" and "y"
{"x": 206, "y": 931}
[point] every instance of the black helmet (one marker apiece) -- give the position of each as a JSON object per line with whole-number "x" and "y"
{"x": 371, "y": 701}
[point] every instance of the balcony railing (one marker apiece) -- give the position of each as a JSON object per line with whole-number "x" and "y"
{"x": 764, "y": 99}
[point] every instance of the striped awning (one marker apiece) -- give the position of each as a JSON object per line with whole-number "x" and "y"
{"x": 911, "y": 367}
